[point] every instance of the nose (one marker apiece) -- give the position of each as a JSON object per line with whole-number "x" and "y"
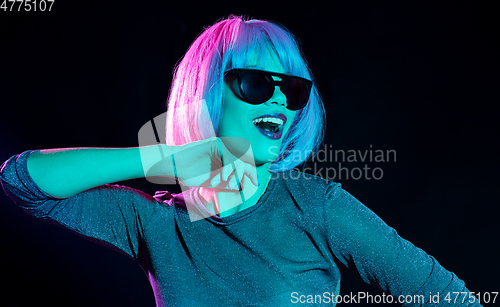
{"x": 278, "y": 98}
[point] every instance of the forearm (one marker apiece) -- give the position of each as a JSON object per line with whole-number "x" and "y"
{"x": 66, "y": 172}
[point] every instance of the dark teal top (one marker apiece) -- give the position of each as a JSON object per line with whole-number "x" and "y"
{"x": 288, "y": 248}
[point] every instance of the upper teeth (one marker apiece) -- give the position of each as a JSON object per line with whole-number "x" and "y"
{"x": 274, "y": 120}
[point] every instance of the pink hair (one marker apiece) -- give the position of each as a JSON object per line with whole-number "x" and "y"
{"x": 196, "y": 101}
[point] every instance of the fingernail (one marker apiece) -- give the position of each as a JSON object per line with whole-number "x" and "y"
{"x": 215, "y": 181}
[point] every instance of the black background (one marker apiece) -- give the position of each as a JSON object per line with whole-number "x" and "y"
{"x": 420, "y": 79}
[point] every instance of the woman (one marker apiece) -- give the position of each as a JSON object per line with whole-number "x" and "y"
{"x": 243, "y": 235}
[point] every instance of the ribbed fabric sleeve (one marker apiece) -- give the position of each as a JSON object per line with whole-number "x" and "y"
{"x": 113, "y": 215}
{"x": 368, "y": 246}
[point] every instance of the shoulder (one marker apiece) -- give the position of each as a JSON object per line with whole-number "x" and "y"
{"x": 128, "y": 200}
{"x": 296, "y": 180}
{"x": 320, "y": 194}
{"x": 309, "y": 192}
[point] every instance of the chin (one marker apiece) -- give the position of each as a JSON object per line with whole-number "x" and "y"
{"x": 263, "y": 159}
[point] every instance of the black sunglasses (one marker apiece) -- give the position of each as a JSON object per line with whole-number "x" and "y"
{"x": 257, "y": 86}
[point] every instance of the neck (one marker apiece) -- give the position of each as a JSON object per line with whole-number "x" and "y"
{"x": 224, "y": 202}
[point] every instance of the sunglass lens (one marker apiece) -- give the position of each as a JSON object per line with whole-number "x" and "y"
{"x": 256, "y": 87}
{"x": 297, "y": 93}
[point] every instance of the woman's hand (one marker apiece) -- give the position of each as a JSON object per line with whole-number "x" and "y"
{"x": 214, "y": 163}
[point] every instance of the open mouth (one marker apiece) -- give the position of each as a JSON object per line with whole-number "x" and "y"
{"x": 271, "y": 127}
{"x": 270, "y": 124}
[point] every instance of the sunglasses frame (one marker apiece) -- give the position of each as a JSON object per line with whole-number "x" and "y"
{"x": 239, "y": 73}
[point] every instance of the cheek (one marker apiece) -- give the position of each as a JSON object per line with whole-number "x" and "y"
{"x": 291, "y": 119}
{"x": 233, "y": 121}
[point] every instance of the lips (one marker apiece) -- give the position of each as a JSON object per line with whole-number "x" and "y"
{"x": 270, "y": 125}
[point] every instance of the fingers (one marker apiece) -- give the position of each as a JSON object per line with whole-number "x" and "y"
{"x": 251, "y": 173}
{"x": 215, "y": 182}
{"x": 234, "y": 168}
{"x": 210, "y": 163}
{"x": 230, "y": 177}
